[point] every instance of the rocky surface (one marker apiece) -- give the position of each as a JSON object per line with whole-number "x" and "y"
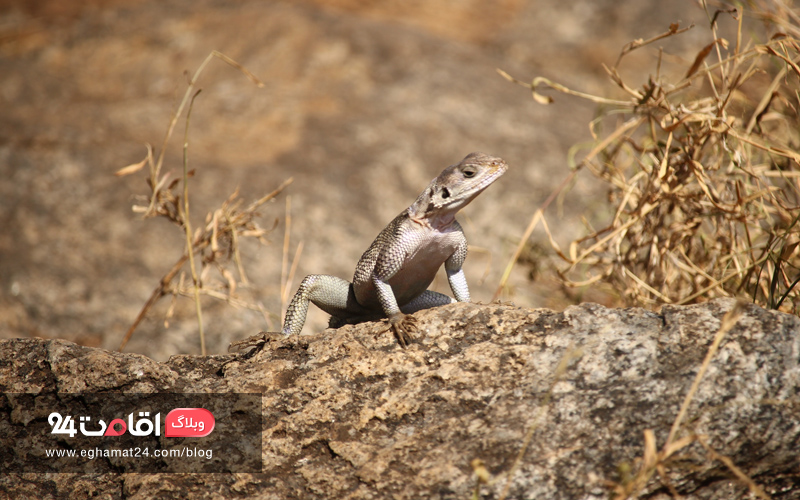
{"x": 348, "y": 414}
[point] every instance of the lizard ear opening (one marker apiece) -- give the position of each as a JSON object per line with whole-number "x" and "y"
{"x": 445, "y": 193}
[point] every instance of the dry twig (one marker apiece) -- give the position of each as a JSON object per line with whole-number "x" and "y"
{"x": 702, "y": 174}
{"x": 217, "y": 242}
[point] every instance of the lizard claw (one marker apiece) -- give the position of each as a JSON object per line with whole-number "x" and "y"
{"x": 403, "y": 326}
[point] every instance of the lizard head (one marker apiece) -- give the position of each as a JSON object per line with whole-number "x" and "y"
{"x": 456, "y": 186}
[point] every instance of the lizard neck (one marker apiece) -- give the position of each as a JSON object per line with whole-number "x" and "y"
{"x": 439, "y": 220}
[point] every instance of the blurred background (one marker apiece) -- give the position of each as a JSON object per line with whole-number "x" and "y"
{"x": 363, "y": 103}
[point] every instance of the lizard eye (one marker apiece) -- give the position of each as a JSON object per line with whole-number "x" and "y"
{"x": 469, "y": 172}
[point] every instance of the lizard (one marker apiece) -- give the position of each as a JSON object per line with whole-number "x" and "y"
{"x": 392, "y": 277}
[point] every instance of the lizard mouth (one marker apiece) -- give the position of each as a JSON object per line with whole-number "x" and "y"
{"x": 498, "y": 169}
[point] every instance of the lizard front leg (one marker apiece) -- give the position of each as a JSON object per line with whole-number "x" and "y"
{"x": 401, "y": 325}
{"x": 455, "y": 272}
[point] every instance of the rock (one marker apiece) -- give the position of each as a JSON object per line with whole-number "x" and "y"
{"x": 348, "y": 414}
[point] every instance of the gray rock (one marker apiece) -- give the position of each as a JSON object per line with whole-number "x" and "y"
{"x": 348, "y": 414}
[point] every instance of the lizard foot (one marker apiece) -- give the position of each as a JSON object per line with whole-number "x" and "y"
{"x": 403, "y": 326}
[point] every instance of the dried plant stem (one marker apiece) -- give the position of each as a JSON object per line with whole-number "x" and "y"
{"x": 218, "y": 241}
{"x": 188, "y": 229}
{"x": 293, "y": 269}
{"x": 537, "y": 216}
{"x": 728, "y": 322}
{"x": 288, "y": 270}
{"x": 285, "y": 255}
{"x": 236, "y": 220}
{"x": 558, "y": 87}
{"x": 741, "y": 476}
{"x": 720, "y": 282}
{"x": 517, "y": 252}
{"x": 237, "y": 258}
{"x": 674, "y": 29}
{"x": 220, "y": 296}
{"x": 159, "y": 292}
{"x": 155, "y": 168}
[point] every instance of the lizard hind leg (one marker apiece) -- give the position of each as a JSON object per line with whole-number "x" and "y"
{"x": 331, "y": 294}
{"x": 426, "y": 300}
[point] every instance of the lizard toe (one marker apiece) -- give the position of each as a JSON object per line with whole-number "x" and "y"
{"x": 403, "y": 326}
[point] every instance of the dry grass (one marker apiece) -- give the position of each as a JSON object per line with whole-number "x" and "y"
{"x": 702, "y": 173}
{"x": 703, "y": 185}
{"x": 215, "y": 244}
